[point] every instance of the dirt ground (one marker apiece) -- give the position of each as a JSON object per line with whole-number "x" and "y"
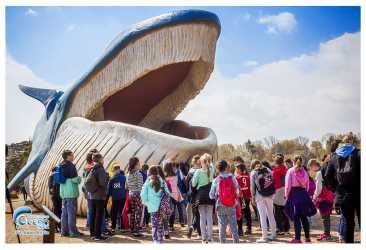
{"x": 177, "y": 236}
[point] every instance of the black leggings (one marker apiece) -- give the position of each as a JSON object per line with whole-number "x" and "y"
{"x": 247, "y": 215}
{"x": 116, "y": 210}
{"x": 283, "y": 224}
{"x": 298, "y": 220}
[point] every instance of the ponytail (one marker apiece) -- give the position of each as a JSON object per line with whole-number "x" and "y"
{"x": 154, "y": 177}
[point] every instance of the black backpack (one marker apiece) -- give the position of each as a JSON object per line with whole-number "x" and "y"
{"x": 346, "y": 172}
{"x": 265, "y": 182}
{"x": 53, "y": 187}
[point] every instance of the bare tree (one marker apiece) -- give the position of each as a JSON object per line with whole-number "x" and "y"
{"x": 269, "y": 141}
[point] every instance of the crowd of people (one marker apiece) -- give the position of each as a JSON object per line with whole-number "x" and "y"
{"x": 203, "y": 194}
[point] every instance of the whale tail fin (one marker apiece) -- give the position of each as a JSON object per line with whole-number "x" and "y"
{"x": 47, "y": 97}
{"x": 42, "y": 95}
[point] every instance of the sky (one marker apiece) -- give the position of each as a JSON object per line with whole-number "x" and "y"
{"x": 279, "y": 71}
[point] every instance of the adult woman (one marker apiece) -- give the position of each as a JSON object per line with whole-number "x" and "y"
{"x": 298, "y": 203}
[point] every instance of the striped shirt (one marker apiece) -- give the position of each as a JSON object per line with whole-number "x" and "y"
{"x": 134, "y": 182}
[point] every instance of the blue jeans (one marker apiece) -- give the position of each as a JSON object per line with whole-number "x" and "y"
{"x": 89, "y": 212}
{"x": 226, "y": 216}
{"x": 68, "y": 216}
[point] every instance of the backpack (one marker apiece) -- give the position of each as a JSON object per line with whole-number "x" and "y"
{"x": 53, "y": 188}
{"x": 345, "y": 170}
{"x": 58, "y": 176}
{"x": 90, "y": 182}
{"x": 265, "y": 182}
{"x": 165, "y": 208}
{"x": 227, "y": 194}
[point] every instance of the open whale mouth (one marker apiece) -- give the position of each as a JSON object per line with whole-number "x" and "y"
{"x": 146, "y": 83}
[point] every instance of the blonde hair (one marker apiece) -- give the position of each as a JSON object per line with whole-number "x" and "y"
{"x": 207, "y": 157}
{"x": 206, "y": 160}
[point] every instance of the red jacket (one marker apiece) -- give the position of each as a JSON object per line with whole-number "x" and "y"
{"x": 279, "y": 174}
{"x": 244, "y": 185}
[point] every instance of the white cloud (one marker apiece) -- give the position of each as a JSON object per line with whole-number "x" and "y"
{"x": 70, "y": 28}
{"x": 284, "y": 22}
{"x": 308, "y": 95}
{"x": 250, "y": 63}
{"x": 31, "y": 12}
{"x": 22, "y": 112}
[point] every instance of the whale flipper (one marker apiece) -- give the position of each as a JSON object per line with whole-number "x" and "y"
{"x": 31, "y": 166}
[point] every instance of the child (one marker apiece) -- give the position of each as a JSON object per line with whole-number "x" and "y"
{"x": 298, "y": 203}
{"x": 243, "y": 179}
{"x": 202, "y": 180}
{"x": 323, "y": 199}
{"x": 177, "y": 198}
{"x": 225, "y": 189}
{"x": 151, "y": 196}
{"x": 146, "y": 216}
{"x": 262, "y": 190}
{"x": 165, "y": 216}
{"x": 134, "y": 185}
{"x": 279, "y": 175}
{"x": 117, "y": 190}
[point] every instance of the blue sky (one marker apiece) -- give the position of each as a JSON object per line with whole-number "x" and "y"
{"x": 60, "y": 43}
{"x": 279, "y": 71}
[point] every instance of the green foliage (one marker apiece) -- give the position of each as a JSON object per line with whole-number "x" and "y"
{"x": 17, "y": 157}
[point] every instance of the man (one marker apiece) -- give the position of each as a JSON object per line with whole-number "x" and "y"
{"x": 69, "y": 192}
{"x": 344, "y": 174}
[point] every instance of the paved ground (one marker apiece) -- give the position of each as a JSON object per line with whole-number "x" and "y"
{"x": 177, "y": 236}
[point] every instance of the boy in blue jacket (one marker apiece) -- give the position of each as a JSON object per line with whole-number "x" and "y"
{"x": 117, "y": 190}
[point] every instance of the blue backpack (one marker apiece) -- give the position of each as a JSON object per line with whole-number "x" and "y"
{"x": 58, "y": 176}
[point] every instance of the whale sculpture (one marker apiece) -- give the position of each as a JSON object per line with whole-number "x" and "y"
{"x": 125, "y": 105}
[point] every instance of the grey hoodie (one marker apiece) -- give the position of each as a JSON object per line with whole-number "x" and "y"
{"x": 101, "y": 179}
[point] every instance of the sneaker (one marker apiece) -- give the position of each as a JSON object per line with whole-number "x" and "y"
{"x": 167, "y": 237}
{"x": 100, "y": 238}
{"x": 261, "y": 240}
{"x": 280, "y": 233}
{"x": 248, "y": 231}
{"x": 307, "y": 240}
{"x": 137, "y": 234}
{"x": 240, "y": 232}
{"x": 189, "y": 234}
{"x": 295, "y": 241}
{"x": 182, "y": 225}
{"x": 324, "y": 237}
{"x": 64, "y": 234}
{"x": 272, "y": 237}
{"x": 74, "y": 235}
{"x": 113, "y": 231}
